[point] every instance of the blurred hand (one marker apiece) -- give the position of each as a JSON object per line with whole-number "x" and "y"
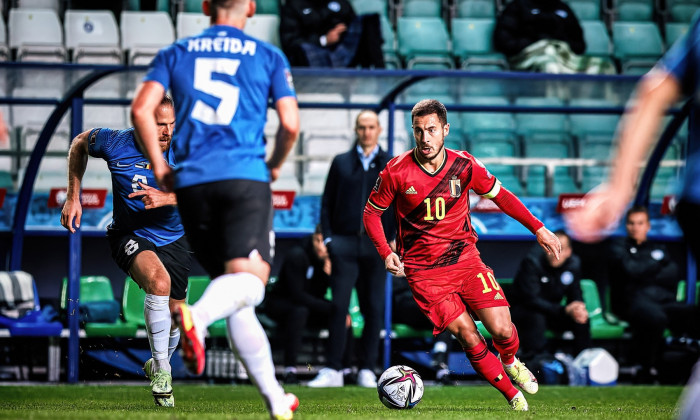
{"x": 548, "y": 241}
{"x": 601, "y": 211}
{"x": 348, "y": 321}
{"x": 274, "y": 174}
{"x": 152, "y": 198}
{"x": 394, "y": 265}
{"x": 72, "y": 210}
{"x": 577, "y": 311}
{"x": 333, "y": 36}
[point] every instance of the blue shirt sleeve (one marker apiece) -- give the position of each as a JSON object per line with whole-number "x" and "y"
{"x": 282, "y": 83}
{"x": 158, "y": 70}
{"x": 683, "y": 59}
{"x": 100, "y": 143}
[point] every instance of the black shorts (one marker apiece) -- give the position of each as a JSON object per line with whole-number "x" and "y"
{"x": 176, "y": 257}
{"x": 228, "y": 219}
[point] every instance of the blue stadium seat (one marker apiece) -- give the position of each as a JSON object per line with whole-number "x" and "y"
{"x": 391, "y": 58}
{"x": 682, "y": 10}
{"x": 423, "y": 43}
{"x": 585, "y": 124}
{"x": 421, "y": 8}
{"x": 472, "y": 43}
{"x": 585, "y": 9}
{"x": 473, "y": 122}
{"x": 634, "y": 10}
{"x": 475, "y": 9}
{"x": 362, "y": 7}
{"x": 528, "y": 122}
{"x": 638, "y": 45}
{"x": 595, "y": 34}
{"x": 675, "y": 30}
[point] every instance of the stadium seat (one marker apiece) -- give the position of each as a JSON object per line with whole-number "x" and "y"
{"x": 92, "y": 37}
{"x": 132, "y": 304}
{"x": 424, "y": 43}
{"x": 195, "y": 6}
{"x": 264, "y": 27}
{"x": 675, "y": 30}
{"x": 391, "y": 58}
{"x": 529, "y": 122}
{"x": 593, "y": 176}
{"x": 485, "y": 121}
{"x": 638, "y": 45}
{"x": 682, "y": 11}
{"x": 682, "y": 292}
{"x": 600, "y": 327}
{"x": 45, "y": 45}
{"x": 362, "y": 7}
{"x": 195, "y": 289}
{"x": 97, "y": 289}
{"x": 600, "y": 150}
{"x": 190, "y": 23}
{"x": 54, "y": 5}
{"x": 421, "y": 8}
{"x": 161, "y": 5}
{"x": 264, "y": 7}
{"x": 313, "y": 184}
{"x": 475, "y": 9}
{"x": 583, "y": 124}
{"x": 595, "y": 34}
{"x": 472, "y": 43}
{"x": 585, "y": 10}
{"x": 510, "y": 182}
{"x": 144, "y": 33}
{"x": 634, "y": 10}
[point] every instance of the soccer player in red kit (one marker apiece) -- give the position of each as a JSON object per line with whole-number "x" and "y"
{"x": 436, "y": 246}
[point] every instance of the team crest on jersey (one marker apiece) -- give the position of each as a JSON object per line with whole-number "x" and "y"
{"x": 290, "y": 80}
{"x": 455, "y": 187}
{"x": 143, "y": 165}
{"x": 377, "y": 184}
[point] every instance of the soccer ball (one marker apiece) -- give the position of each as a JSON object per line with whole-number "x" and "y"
{"x": 400, "y": 387}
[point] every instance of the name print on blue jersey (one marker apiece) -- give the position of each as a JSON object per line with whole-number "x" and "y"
{"x": 222, "y": 44}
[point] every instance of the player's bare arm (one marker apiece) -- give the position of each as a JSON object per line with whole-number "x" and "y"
{"x": 143, "y": 108}
{"x": 287, "y": 133}
{"x": 153, "y": 197}
{"x": 77, "y": 162}
{"x": 638, "y": 128}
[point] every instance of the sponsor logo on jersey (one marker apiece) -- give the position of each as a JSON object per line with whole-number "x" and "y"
{"x": 498, "y": 296}
{"x": 411, "y": 190}
{"x": 455, "y": 187}
{"x": 143, "y": 165}
{"x": 122, "y": 165}
{"x": 377, "y": 184}
{"x": 289, "y": 78}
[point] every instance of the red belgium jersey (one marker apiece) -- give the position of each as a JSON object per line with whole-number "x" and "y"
{"x": 432, "y": 209}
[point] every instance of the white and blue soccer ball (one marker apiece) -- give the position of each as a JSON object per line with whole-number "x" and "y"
{"x": 400, "y": 387}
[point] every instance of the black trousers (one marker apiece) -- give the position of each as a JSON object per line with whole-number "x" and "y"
{"x": 532, "y": 326}
{"x": 356, "y": 264}
{"x": 294, "y": 319}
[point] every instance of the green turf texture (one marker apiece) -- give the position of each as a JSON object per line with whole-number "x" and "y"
{"x": 243, "y": 402}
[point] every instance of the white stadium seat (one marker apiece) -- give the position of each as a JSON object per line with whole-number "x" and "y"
{"x": 92, "y": 36}
{"x": 144, "y": 33}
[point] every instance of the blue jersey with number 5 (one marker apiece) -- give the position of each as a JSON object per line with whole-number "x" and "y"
{"x": 129, "y": 167}
{"x": 221, "y": 81}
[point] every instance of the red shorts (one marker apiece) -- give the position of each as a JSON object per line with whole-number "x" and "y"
{"x": 445, "y": 293}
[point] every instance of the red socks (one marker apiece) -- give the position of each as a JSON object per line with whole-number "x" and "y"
{"x": 487, "y": 365}
{"x": 508, "y": 347}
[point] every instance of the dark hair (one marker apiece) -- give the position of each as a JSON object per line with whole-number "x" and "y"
{"x": 318, "y": 229}
{"x": 167, "y": 101}
{"x": 636, "y": 209}
{"x": 215, "y": 5}
{"x": 428, "y": 107}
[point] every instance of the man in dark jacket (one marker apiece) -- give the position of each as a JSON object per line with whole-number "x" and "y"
{"x": 323, "y": 33}
{"x": 643, "y": 285}
{"x": 356, "y": 264}
{"x": 539, "y": 287}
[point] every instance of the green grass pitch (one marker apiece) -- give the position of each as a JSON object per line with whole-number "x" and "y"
{"x": 193, "y": 401}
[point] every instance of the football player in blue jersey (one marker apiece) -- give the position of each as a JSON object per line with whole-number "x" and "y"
{"x": 222, "y": 81}
{"x": 146, "y": 235}
{"x": 676, "y": 76}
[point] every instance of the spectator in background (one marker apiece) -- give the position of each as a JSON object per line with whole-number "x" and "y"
{"x": 404, "y": 310}
{"x": 545, "y": 36}
{"x": 297, "y": 300}
{"x": 323, "y": 33}
{"x": 643, "y": 285}
{"x": 539, "y": 286}
{"x": 355, "y": 262}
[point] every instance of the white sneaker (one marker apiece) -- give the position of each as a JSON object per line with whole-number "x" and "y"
{"x": 366, "y": 379}
{"x": 327, "y": 378}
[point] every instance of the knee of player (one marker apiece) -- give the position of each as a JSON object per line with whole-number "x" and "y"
{"x": 501, "y": 332}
